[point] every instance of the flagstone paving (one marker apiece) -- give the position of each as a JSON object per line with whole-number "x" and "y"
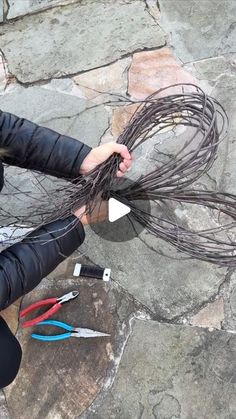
{"x": 170, "y": 371}
{"x": 81, "y": 33}
{"x": 68, "y": 65}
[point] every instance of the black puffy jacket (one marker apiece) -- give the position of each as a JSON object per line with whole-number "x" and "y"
{"x": 23, "y": 265}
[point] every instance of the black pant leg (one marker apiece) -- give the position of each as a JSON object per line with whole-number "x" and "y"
{"x": 10, "y": 355}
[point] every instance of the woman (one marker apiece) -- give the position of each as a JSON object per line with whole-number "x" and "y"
{"x": 23, "y": 265}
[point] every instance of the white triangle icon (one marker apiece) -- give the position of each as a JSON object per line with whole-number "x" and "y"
{"x": 116, "y": 210}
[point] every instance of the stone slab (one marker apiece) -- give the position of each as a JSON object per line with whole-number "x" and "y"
{"x": 230, "y": 304}
{"x": 153, "y": 70}
{"x": 217, "y": 76}
{"x": 22, "y": 7}
{"x": 151, "y": 278}
{"x": 224, "y": 91}
{"x": 105, "y": 82}
{"x": 211, "y": 316}
{"x": 233, "y": 302}
{"x": 209, "y": 70}
{"x": 75, "y": 45}
{"x": 3, "y": 80}
{"x": 120, "y": 118}
{"x": 197, "y": 29}
{"x": 210, "y": 74}
{"x": 61, "y": 379}
{"x": 172, "y": 372}
{"x": 153, "y": 8}
{"x": 4, "y": 414}
{"x": 1, "y": 10}
{"x": 65, "y": 113}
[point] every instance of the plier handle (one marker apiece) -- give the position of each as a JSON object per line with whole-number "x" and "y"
{"x": 77, "y": 332}
{"x": 57, "y": 303}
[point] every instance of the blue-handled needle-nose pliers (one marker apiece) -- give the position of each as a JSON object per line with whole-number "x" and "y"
{"x": 77, "y": 332}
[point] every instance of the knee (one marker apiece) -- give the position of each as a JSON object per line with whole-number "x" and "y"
{"x": 10, "y": 355}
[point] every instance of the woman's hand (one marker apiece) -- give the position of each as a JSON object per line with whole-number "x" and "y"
{"x": 98, "y": 214}
{"x": 101, "y": 153}
{"x": 97, "y": 156}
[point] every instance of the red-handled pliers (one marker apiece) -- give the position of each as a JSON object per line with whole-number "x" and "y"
{"x": 57, "y": 302}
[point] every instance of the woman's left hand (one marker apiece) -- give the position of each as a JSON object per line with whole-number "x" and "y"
{"x": 101, "y": 153}
{"x": 98, "y": 214}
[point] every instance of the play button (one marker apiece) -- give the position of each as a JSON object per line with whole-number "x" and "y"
{"x": 116, "y": 210}
{"x": 121, "y": 225}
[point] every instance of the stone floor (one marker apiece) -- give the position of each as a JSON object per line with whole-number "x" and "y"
{"x": 172, "y": 322}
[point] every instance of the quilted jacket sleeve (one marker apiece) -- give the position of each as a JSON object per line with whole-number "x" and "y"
{"x": 23, "y": 265}
{"x": 30, "y": 146}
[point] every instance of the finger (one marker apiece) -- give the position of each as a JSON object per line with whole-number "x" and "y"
{"x": 122, "y": 167}
{"x": 119, "y": 174}
{"x": 122, "y": 150}
{"x": 127, "y": 163}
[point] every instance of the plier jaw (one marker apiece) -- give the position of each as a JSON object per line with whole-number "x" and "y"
{"x": 67, "y": 297}
{"x": 80, "y": 332}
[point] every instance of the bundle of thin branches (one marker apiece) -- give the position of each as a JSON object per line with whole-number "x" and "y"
{"x": 169, "y": 181}
{"x": 155, "y": 114}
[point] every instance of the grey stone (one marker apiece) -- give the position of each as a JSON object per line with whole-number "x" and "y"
{"x": 197, "y": 29}
{"x": 224, "y": 91}
{"x": 23, "y": 7}
{"x": 223, "y": 171}
{"x": 230, "y": 304}
{"x": 233, "y": 302}
{"x": 1, "y": 10}
{"x": 59, "y": 111}
{"x": 209, "y": 70}
{"x": 217, "y": 76}
{"x": 75, "y": 45}
{"x": 230, "y": 321}
{"x": 172, "y": 372}
{"x": 168, "y": 287}
{"x": 21, "y": 195}
{"x": 4, "y": 414}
